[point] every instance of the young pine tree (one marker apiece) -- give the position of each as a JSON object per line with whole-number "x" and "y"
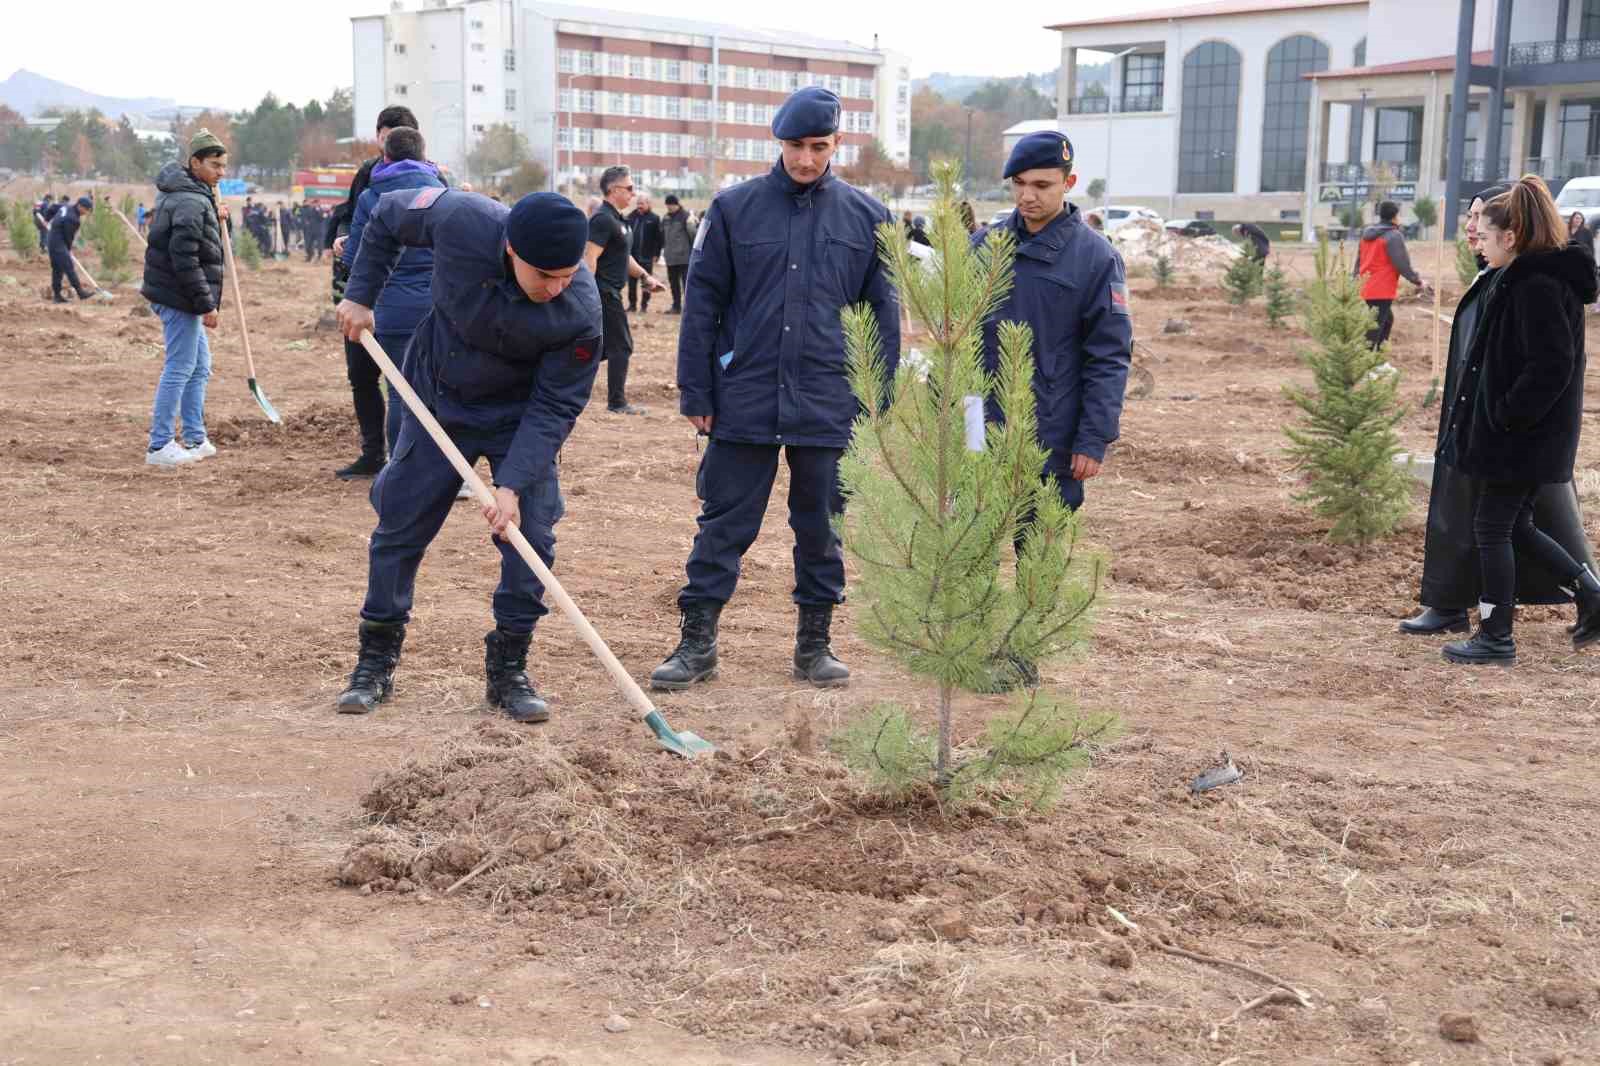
{"x": 246, "y": 249}
{"x": 110, "y": 239}
{"x": 1347, "y": 442}
{"x": 20, "y": 228}
{"x": 1242, "y": 280}
{"x": 930, "y": 521}
{"x": 1163, "y": 272}
{"x": 1466, "y": 262}
{"x": 1280, "y": 298}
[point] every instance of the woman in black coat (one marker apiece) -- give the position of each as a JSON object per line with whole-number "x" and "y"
{"x": 1450, "y": 571}
{"x": 1579, "y": 233}
{"x": 1515, "y": 419}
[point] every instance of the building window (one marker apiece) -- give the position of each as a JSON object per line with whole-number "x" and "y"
{"x": 1589, "y": 25}
{"x": 674, "y": 107}
{"x": 1358, "y": 115}
{"x": 564, "y": 61}
{"x": 1287, "y": 119}
{"x": 399, "y": 48}
{"x": 903, "y": 95}
{"x": 635, "y": 104}
{"x": 700, "y": 110}
{"x": 636, "y": 66}
{"x": 511, "y": 99}
{"x": 1398, "y": 137}
{"x": 477, "y": 127}
{"x": 511, "y": 60}
{"x": 674, "y": 71}
{"x": 741, "y": 77}
{"x": 586, "y": 101}
{"x": 615, "y": 65}
{"x": 868, "y": 121}
{"x": 477, "y": 46}
{"x": 702, "y": 73}
{"x": 586, "y": 138}
{"x": 902, "y": 129}
{"x": 399, "y": 88}
{"x": 477, "y": 24}
{"x": 1142, "y": 77}
{"x": 477, "y": 88}
{"x": 564, "y": 137}
{"x": 652, "y": 144}
{"x": 635, "y": 141}
{"x": 1209, "y": 126}
{"x": 587, "y": 63}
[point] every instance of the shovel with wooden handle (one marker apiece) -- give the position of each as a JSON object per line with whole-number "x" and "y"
{"x": 131, "y": 227}
{"x": 684, "y": 743}
{"x": 78, "y": 266}
{"x": 244, "y": 331}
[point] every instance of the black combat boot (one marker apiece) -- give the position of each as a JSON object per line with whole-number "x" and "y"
{"x": 373, "y": 677}
{"x": 695, "y": 657}
{"x": 366, "y": 465}
{"x": 1492, "y": 642}
{"x": 1431, "y": 620}
{"x": 505, "y": 662}
{"x": 1587, "y": 593}
{"x": 813, "y": 658}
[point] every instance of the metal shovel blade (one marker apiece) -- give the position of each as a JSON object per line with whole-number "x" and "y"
{"x": 686, "y": 744}
{"x": 265, "y": 404}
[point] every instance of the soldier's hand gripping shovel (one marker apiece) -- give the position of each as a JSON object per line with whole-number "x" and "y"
{"x": 683, "y": 743}
{"x": 244, "y": 332}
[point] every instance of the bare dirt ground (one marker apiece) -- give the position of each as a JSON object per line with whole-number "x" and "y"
{"x": 1410, "y": 840}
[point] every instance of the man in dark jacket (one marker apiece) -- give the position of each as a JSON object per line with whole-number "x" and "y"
{"x": 183, "y": 282}
{"x": 404, "y": 301}
{"x": 1260, "y": 244}
{"x": 609, "y": 257}
{"x": 761, "y": 370}
{"x": 1382, "y": 262}
{"x": 63, "y": 232}
{"x": 505, "y": 359}
{"x": 311, "y": 224}
{"x": 43, "y": 212}
{"x": 677, "y": 239}
{"x": 646, "y": 226}
{"x": 285, "y": 226}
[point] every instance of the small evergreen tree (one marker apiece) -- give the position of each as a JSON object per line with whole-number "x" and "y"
{"x": 1280, "y": 298}
{"x": 1426, "y": 208}
{"x": 1097, "y": 189}
{"x": 20, "y": 228}
{"x": 1466, "y": 261}
{"x": 1163, "y": 272}
{"x": 110, "y": 239}
{"x": 246, "y": 249}
{"x": 930, "y": 520}
{"x": 1242, "y": 280}
{"x": 1347, "y": 442}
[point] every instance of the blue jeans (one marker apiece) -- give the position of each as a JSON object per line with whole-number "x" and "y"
{"x": 181, "y": 391}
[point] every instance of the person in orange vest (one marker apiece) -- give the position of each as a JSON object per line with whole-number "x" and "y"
{"x": 1382, "y": 262}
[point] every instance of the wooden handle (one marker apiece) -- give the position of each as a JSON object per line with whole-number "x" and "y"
{"x": 76, "y": 264}
{"x": 131, "y": 227}
{"x": 238, "y": 297}
{"x": 619, "y": 674}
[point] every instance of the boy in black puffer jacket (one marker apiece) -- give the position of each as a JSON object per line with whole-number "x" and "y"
{"x": 183, "y": 282}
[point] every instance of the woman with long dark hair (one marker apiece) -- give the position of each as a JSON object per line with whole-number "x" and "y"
{"x": 1579, "y": 233}
{"x": 1450, "y": 571}
{"x": 1515, "y": 417}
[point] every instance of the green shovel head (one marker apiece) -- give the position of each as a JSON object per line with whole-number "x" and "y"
{"x": 265, "y": 404}
{"x": 685, "y": 743}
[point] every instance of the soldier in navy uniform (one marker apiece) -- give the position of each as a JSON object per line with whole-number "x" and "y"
{"x": 64, "y": 225}
{"x": 1070, "y": 289}
{"x": 505, "y": 359}
{"x": 761, "y": 370}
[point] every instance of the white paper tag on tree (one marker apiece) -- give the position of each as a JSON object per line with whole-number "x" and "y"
{"x": 972, "y": 408}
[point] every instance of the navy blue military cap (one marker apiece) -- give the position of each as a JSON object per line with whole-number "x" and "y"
{"x": 1046, "y": 148}
{"x": 809, "y": 112}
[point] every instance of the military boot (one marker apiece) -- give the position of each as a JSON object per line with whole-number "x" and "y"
{"x": 1492, "y": 642}
{"x": 1587, "y": 593}
{"x": 505, "y": 663}
{"x": 813, "y": 657}
{"x": 695, "y": 657}
{"x": 373, "y": 677}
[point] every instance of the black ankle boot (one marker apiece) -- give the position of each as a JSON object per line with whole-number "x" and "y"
{"x": 505, "y": 663}
{"x": 373, "y": 678}
{"x": 1492, "y": 642}
{"x": 695, "y": 657}
{"x": 366, "y": 465}
{"x": 1586, "y": 590}
{"x": 813, "y": 657}
{"x": 1431, "y": 620}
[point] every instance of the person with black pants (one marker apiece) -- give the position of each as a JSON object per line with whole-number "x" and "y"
{"x": 677, "y": 241}
{"x": 609, "y": 258}
{"x": 646, "y": 226}
{"x": 1516, "y": 419}
{"x": 1382, "y": 262}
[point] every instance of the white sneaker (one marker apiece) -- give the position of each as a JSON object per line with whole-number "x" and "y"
{"x": 171, "y": 454}
{"x": 204, "y": 450}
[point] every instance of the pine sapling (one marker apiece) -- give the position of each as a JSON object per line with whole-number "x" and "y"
{"x": 1347, "y": 442}
{"x": 1466, "y": 262}
{"x": 931, "y": 520}
{"x": 1163, "y": 272}
{"x": 246, "y": 249}
{"x": 20, "y": 228}
{"x": 1242, "y": 280}
{"x": 1280, "y": 298}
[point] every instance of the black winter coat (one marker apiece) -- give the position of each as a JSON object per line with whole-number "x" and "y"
{"x": 183, "y": 264}
{"x": 1518, "y": 409}
{"x": 647, "y": 235}
{"x": 64, "y": 228}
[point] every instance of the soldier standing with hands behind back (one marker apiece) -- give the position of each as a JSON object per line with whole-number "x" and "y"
{"x": 762, "y": 370}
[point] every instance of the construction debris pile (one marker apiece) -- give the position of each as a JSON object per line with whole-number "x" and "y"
{"x": 1142, "y": 242}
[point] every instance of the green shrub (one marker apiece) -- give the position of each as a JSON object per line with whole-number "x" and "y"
{"x": 1242, "y": 280}
{"x": 1164, "y": 273}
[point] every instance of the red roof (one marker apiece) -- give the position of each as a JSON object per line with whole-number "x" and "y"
{"x": 1410, "y": 66}
{"x": 1206, "y": 10}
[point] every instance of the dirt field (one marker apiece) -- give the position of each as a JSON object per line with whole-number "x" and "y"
{"x": 1410, "y": 840}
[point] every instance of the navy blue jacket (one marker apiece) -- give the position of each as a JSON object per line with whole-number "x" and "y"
{"x": 761, "y": 345}
{"x": 1070, "y": 289}
{"x": 405, "y": 298}
{"x": 485, "y": 355}
{"x": 64, "y": 228}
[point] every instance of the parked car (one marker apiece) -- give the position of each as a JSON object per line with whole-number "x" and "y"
{"x": 1191, "y": 227}
{"x": 1114, "y": 216}
{"x": 1579, "y": 194}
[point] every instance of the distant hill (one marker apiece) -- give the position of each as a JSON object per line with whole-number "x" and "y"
{"x": 31, "y": 93}
{"x": 957, "y": 87}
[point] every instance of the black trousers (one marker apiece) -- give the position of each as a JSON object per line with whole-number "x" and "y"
{"x": 618, "y": 345}
{"x": 1503, "y": 525}
{"x": 1380, "y": 334}
{"x": 675, "y": 278}
{"x": 633, "y": 287}
{"x": 61, "y": 267}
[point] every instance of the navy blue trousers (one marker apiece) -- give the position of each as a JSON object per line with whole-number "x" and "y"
{"x": 734, "y": 485}
{"x": 414, "y": 493}
{"x": 61, "y": 267}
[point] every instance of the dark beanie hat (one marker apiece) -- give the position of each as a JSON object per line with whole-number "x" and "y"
{"x": 671, "y": 198}
{"x": 809, "y": 112}
{"x": 84, "y": 201}
{"x": 1047, "y": 148}
{"x": 547, "y": 231}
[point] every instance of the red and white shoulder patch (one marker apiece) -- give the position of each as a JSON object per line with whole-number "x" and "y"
{"x": 1119, "y": 299}
{"x": 426, "y": 197}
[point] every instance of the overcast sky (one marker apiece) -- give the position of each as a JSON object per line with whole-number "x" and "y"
{"x": 230, "y": 53}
